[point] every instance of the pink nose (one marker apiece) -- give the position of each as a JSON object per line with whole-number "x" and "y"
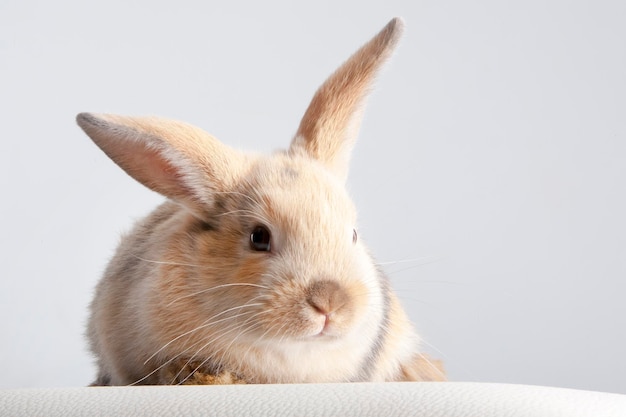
{"x": 326, "y": 297}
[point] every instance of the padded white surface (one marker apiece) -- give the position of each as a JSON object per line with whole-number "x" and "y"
{"x": 389, "y": 399}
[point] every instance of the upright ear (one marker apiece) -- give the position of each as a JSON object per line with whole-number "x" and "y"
{"x": 175, "y": 159}
{"x": 330, "y": 125}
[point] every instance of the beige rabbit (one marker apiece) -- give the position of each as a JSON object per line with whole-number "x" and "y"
{"x": 252, "y": 266}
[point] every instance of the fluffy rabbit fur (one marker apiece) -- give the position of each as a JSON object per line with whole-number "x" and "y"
{"x": 252, "y": 265}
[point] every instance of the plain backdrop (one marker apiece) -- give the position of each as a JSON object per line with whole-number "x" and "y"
{"x": 490, "y": 171}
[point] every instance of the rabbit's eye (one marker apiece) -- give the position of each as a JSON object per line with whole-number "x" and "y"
{"x": 354, "y": 236}
{"x": 260, "y": 239}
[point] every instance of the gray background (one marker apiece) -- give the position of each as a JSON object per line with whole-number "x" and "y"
{"x": 491, "y": 159}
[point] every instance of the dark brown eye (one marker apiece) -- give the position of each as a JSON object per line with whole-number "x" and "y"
{"x": 260, "y": 239}
{"x": 354, "y": 236}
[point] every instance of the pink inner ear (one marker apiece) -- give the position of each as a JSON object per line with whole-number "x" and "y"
{"x": 148, "y": 166}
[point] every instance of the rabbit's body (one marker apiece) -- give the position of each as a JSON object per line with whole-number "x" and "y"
{"x": 253, "y": 266}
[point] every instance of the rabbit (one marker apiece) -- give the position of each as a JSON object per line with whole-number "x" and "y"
{"x": 252, "y": 265}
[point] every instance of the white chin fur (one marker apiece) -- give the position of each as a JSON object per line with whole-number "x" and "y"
{"x": 325, "y": 357}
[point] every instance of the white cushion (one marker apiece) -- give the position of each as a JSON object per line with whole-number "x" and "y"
{"x": 419, "y": 399}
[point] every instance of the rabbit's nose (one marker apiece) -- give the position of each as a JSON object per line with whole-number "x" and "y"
{"x": 326, "y": 297}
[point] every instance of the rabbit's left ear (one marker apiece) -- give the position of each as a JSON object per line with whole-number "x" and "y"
{"x": 180, "y": 161}
{"x": 330, "y": 125}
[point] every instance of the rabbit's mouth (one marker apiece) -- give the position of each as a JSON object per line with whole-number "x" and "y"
{"x": 326, "y": 334}
{"x": 327, "y": 330}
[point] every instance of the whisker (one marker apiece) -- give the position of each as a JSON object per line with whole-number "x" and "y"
{"x": 213, "y": 340}
{"x": 242, "y": 331}
{"x": 429, "y": 259}
{"x": 256, "y": 216}
{"x": 237, "y": 193}
{"x": 162, "y": 262}
{"x": 432, "y": 366}
{"x": 244, "y": 213}
{"x": 225, "y": 331}
{"x": 204, "y": 325}
{"x": 228, "y": 329}
{"x": 236, "y": 284}
{"x": 163, "y": 365}
{"x": 243, "y": 357}
{"x": 415, "y": 300}
{"x": 166, "y": 363}
{"x": 227, "y": 354}
{"x": 408, "y": 268}
{"x": 245, "y": 354}
{"x": 439, "y": 351}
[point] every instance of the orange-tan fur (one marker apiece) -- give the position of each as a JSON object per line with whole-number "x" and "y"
{"x": 186, "y": 287}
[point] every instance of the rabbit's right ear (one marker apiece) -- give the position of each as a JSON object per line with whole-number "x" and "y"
{"x": 175, "y": 159}
{"x": 330, "y": 125}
